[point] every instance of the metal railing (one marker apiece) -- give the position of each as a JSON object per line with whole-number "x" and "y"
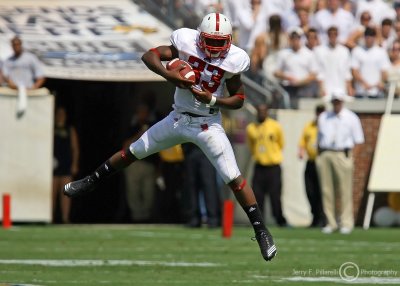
{"x": 270, "y": 92}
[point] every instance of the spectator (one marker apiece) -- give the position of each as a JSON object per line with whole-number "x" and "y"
{"x": 66, "y": 162}
{"x": 396, "y": 7}
{"x": 266, "y": 140}
{"x": 349, "y": 5}
{"x": 394, "y": 53}
{"x": 356, "y": 35}
{"x": 204, "y": 7}
{"x": 249, "y": 19}
{"x": 378, "y": 9}
{"x": 296, "y": 68}
{"x": 333, "y": 62}
{"x": 312, "y": 39}
{"x": 397, "y": 29}
{"x": 201, "y": 181}
{"x": 266, "y": 48}
{"x": 308, "y": 146}
{"x": 369, "y": 67}
{"x": 339, "y": 131}
{"x": 140, "y": 179}
{"x": 304, "y": 19}
{"x": 394, "y": 70}
{"x": 319, "y": 5}
{"x": 386, "y": 34}
{"x": 333, "y": 15}
{"x": 280, "y": 7}
{"x": 291, "y": 18}
{"x": 170, "y": 184}
{"x": 23, "y": 69}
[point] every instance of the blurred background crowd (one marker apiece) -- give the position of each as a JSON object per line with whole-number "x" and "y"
{"x": 299, "y": 44}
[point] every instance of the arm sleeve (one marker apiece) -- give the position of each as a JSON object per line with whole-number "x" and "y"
{"x": 281, "y": 138}
{"x": 385, "y": 63}
{"x": 358, "y": 134}
{"x": 347, "y": 67}
{"x": 176, "y": 39}
{"x": 355, "y": 63}
{"x": 316, "y": 55}
{"x": 37, "y": 68}
{"x": 279, "y": 62}
{"x": 302, "y": 141}
{"x": 5, "y": 69}
{"x": 244, "y": 14}
{"x": 313, "y": 64}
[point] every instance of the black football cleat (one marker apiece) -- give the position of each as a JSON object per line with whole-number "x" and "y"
{"x": 267, "y": 245}
{"x": 79, "y": 187}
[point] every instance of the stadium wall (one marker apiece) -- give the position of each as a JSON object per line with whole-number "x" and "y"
{"x": 26, "y": 160}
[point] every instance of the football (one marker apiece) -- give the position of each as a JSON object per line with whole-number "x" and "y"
{"x": 186, "y": 72}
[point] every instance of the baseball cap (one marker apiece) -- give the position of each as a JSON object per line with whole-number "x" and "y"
{"x": 295, "y": 31}
{"x": 339, "y": 95}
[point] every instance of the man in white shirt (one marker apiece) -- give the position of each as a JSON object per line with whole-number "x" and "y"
{"x": 333, "y": 62}
{"x": 334, "y": 15}
{"x": 339, "y": 132}
{"x": 369, "y": 67}
{"x": 249, "y": 21}
{"x": 296, "y": 68}
{"x": 266, "y": 10}
{"x": 378, "y": 9}
{"x": 291, "y": 17}
{"x": 23, "y": 69}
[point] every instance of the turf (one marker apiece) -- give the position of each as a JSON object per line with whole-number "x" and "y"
{"x": 172, "y": 255}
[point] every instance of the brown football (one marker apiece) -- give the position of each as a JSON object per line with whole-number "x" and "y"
{"x": 187, "y": 72}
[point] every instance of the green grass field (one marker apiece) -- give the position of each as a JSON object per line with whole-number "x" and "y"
{"x": 173, "y": 255}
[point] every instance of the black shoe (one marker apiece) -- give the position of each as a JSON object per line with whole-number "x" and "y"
{"x": 267, "y": 245}
{"x": 79, "y": 187}
{"x": 193, "y": 223}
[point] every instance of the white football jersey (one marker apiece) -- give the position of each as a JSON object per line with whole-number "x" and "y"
{"x": 210, "y": 73}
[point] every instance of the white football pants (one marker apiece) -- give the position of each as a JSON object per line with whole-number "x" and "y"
{"x": 205, "y": 132}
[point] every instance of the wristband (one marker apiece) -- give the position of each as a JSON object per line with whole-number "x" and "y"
{"x": 213, "y": 100}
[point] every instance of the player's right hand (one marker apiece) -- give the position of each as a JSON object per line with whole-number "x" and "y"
{"x": 175, "y": 77}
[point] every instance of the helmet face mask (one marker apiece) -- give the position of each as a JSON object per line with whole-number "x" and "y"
{"x": 215, "y": 35}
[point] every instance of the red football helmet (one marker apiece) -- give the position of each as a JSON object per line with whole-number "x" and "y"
{"x": 215, "y": 35}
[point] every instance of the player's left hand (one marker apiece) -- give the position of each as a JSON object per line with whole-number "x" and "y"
{"x": 202, "y": 94}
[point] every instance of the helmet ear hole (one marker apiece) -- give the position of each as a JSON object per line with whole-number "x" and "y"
{"x": 215, "y": 35}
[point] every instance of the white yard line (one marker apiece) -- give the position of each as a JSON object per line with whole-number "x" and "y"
{"x": 85, "y": 262}
{"x": 359, "y": 280}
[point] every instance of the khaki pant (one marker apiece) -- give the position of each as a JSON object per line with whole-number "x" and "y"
{"x": 140, "y": 189}
{"x": 335, "y": 171}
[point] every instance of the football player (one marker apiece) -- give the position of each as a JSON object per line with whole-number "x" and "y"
{"x": 195, "y": 117}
